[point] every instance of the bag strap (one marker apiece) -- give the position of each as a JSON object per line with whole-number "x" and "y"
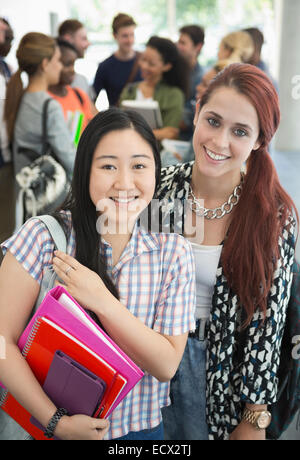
{"x": 60, "y": 241}
{"x": 56, "y": 231}
{"x": 134, "y": 68}
{"x": 78, "y": 95}
{"x": 45, "y": 145}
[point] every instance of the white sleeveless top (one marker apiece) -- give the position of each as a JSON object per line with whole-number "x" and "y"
{"x": 206, "y": 264}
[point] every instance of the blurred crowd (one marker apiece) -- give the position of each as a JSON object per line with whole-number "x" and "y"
{"x": 166, "y": 72}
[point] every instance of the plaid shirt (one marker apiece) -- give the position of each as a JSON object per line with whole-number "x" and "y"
{"x": 155, "y": 278}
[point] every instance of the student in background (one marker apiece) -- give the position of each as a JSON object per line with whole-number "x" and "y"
{"x": 236, "y": 46}
{"x": 209, "y": 75}
{"x": 74, "y": 32}
{"x": 122, "y": 66}
{"x": 72, "y": 100}
{"x": 258, "y": 41}
{"x": 190, "y": 43}
{"x": 138, "y": 282}
{"x": 5, "y": 48}
{"x": 165, "y": 80}
{"x": 39, "y": 57}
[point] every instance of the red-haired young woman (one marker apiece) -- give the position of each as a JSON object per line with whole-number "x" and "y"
{"x": 231, "y": 206}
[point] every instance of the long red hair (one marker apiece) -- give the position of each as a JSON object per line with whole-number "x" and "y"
{"x": 251, "y": 249}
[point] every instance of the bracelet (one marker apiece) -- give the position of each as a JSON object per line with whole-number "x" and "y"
{"x": 49, "y": 431}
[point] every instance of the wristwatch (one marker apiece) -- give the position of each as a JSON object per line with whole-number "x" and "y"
{"x": 260, "y": 419}
{"x": 49, "y": 431}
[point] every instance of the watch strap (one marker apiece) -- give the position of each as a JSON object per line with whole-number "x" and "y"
{"x": 49, "y": 431}
{"x": 252, "y": 417}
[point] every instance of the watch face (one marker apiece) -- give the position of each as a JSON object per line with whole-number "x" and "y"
{"x": 264, "y": 420}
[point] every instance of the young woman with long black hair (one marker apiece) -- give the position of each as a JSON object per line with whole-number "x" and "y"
{"x": 138, "y": 283}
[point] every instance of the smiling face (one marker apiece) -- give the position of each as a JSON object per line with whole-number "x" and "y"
{"x": 125, "y": 38}
{"x": 122, "y": 179}
{"x": 227, "y": 130}
{"x": 68, "y": 58}
{"x": 80, "y": 40}
{"x": 187, "y": 47}
{"x": 152, "y": 65}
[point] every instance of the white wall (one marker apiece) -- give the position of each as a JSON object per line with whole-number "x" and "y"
{"x": 288, "y": 138}
{"x": 30, "y": 16}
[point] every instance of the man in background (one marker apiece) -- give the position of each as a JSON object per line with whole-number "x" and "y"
{"x": 74, "y": 32}
{"x": 121, "y": 67}
{"x": 190, "y": 43}
{"x": 5, "y": 48}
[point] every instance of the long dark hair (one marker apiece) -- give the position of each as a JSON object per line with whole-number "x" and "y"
{"x": 83, "y": 210}
{"x": 178, "y": 75}
{"x": 251, "y": 248}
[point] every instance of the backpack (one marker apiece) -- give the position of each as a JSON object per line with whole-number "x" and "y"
{"x": 288, "y": 398}
{"x": 9, "y": 429}
{"x": 43, "y": 182}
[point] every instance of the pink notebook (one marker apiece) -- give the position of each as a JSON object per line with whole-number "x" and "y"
{"x": 60, "y": 307}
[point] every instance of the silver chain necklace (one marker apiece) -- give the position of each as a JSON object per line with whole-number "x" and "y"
{"x": 217, "y": 213}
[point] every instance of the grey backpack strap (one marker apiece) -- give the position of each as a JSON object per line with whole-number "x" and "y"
{"x": 60, "y": 242}
{"x": 56, "y": 231}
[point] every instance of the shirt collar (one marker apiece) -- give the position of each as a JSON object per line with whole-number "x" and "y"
{"x": 141, "y": 241}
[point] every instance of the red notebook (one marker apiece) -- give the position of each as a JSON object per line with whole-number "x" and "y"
{"x": 45, "y": 339}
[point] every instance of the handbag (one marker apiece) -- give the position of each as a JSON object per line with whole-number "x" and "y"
{"x": 288, "y": 398}
{"x": 43, "y": 182}
{"x": 9, "y": 429}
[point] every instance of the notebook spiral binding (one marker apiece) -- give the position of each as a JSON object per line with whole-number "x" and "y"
{"x": 3, "y": 398}
{"x": 31, "y": 337}
{"x": 25, "y": 352}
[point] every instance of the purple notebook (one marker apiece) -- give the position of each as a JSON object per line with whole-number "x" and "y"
{"x": 72, "y": 386}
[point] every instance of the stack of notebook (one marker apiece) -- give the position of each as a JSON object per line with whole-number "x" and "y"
{"x": 76, "y": 362}
{"x": 148, "y": 109}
